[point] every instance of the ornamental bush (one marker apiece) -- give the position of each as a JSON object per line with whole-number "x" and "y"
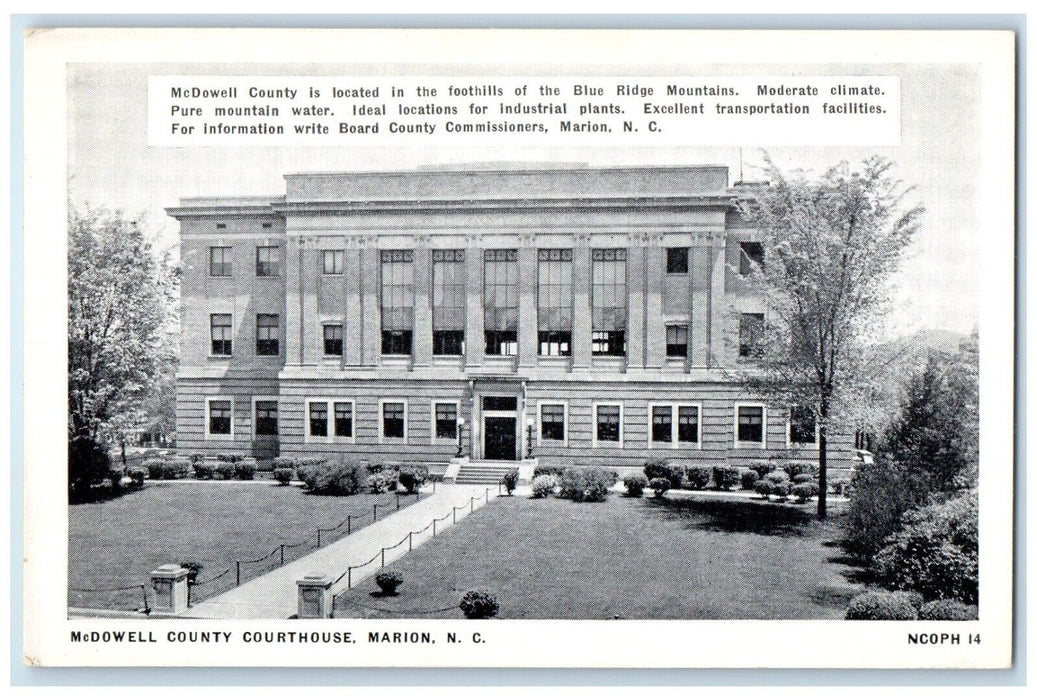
{"x": 412, "y": 477}
{"x": 635, "y": 484}
{"x": 764, "y": 487}
{"x": 802, "y": 478}
{"x": 781, "y": 489}
{"x": 150, "y": 466}
{"x": 136, "y": 475}
{"x": 749, "y": 479}
{"x": 339, "y": 478}
{"x": 205, "y": 469}
{"x": 945, "y": 609}
{"x": 383, "y": 481}
{"x": 697, "y": 477}
{"x": 283, "y": 462}
{"x": 762, "y": 469}
{"x": 586, "y": 484}
{"x": 936, "y": 552}
{"x": 839, "y": 486}
{"x": 479, "y": 605}
{"x": 659, "y": 485}
{"x": 662, "y": 468}
{"x": 224, "y": 470}
{"x": 227, "y": 457}
{"x": 176, "y": 468}
{"x": 805, "y": 491}
{"x": 778, "y": 476}
{"x": 388, "y": 581}
{"x": 284, "y": 475}
{"x": 245, "y": 468}
{"x": 544, "y": 485}
{"x": 881, "y": 605}
{"x": 511, "y": 480}
{"x": 309, "y": 468}
{"x": 794, "y": 469}
{"x": 547, "y": 471}
{"x": 726, "y": 478}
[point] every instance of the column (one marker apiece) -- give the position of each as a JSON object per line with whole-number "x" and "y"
{"x": 474, "y": 320}
{"x": 422, "y": 338}
{"x": 353, "y": 317}
{"x": 293, "y": 301}
{"x": 309, "y": 276}
{"x": 698, "y": 333}
{"x": 655, "y": 327}
{"x": 370, "y": 270}
{"x": 636, "y": 302}
{"x": 582, "y": 302}
{"x": 718, "y": 353}
{"x": 527, "y": 332}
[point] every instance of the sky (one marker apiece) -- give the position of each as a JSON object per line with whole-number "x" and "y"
{"x": 110, "y": 164}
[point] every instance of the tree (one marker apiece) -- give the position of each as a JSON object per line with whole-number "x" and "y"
{"x": 831, "y": 245}
{"x": 119, "y": 301}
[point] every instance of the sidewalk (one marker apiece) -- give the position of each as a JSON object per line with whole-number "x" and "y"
{"x": 273, "y": 595}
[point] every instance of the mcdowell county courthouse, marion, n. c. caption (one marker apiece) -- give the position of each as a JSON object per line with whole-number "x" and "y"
{"x": 579, "y": 315}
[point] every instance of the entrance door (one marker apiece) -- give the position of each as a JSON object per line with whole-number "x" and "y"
{"x": 499, "y": 436}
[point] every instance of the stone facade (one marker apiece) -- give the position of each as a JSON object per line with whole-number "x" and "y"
{"x": 365, "y": 313}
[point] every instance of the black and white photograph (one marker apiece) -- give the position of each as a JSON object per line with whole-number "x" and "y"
{"x": 392, "y": 350}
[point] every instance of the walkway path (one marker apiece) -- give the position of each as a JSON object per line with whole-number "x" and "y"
{"x": 273, "y": 595}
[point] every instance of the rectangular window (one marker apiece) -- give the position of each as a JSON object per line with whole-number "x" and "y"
{"x": 446, "y": 420}
{"x": 220, "y": 261}
{"x": 750, "y": 335}
{"x": 677, "y": 261}
{"x": 750, "y": 425}
{"x": 344, "y": 419}
{"x": 334, "y": 261}
{"x": 499, "y": 403}
{"x": 266, "y": 418}
{"x": 750, "y": 257}
{"x": 609, "y": 294}
{"x": 688, "y": 424}
{"x": 500, "y": 301}
{"x": 802, "y": 426}
{"x": 555, "y": 302}
{"x": 220, "y": 417}
{"x": 268, "y": 334}
{"x": 333, "y": 339}
{"x": 677, "y": 341}
{"x": 268, "y": 261}
{"x": 662, "y": 424}
{"x": 448, "y": 302}
{"x": 397, "y": 301}
{"x": 319, "y": 419}
{"x": 552, "y": 421}
{"x": 608, "y": 419}
{"x": 394, "y": 419}
{"x": 220, "y": 333}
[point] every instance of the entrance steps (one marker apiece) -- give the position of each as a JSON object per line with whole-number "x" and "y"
{"x": 485, "y": 471}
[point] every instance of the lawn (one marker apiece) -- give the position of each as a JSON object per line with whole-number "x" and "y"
{"x": 685, "y": 557}
{"x": 119, "y": 542}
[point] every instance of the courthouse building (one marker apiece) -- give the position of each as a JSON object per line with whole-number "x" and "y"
{"x": 583, "y": 315}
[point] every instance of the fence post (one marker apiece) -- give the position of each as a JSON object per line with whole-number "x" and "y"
{"x": 169, "y": 582}
{"x": 282, "y": 555}
{"x": 455, "y": 515}
{"x": 237, "y": 573}
{"x": 349, "y": 524}
{"x": 349, "y": 578}
{"x": 471, "y": 505}
{"x": 383, "y": 557}
{"x": 410, "y": 541}
{"x": 397, "y": 501}
{"x": 376, "y": 512}
{"x": 314, "y": 596}
{"x": 487, "y": 496}
{"x": 144, "y": 593}
{"x": 433, "y": 528}
{"x": 318, "y": 537}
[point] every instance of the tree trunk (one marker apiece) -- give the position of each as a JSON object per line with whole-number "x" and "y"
{"x": 822, "y": 462}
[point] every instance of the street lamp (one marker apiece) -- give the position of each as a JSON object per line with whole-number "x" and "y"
{"x": 529, "y": 438}
{"x": 460, "y": 431}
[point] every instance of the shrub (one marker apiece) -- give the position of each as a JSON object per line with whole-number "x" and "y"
{"x": 544, "y": 485}
{"x": 479, "y": 605}
{"x": 245, "y": 469}
{"x": 309, "y": 468}
{"x": 935, "y": 553}
{"x": 547, "y": 471}
{"x": 802, "y": 478}
{"x": 115, "y": 475}
{"x": 662, "y": 468}
{"x": 150, "y": 465}
{"x": 749, "y": 479}
{"x": 805, "y": 491}
{"x": 762, "y": 469}
{"x": 284, "y": 462}
{"x": 781, "y": 489}
{"x": 697, "y": 477}
{"x": 839, "y": 486}
{"x": 794, "y": 469}
{"x": 511, "y": 480}
{"x": 284, "y": 475}
{"x": 336, "y": 478}
{"x": 764, "y": 487}
{"x": 945, "y": 609}
{"x": 882, "y": 493}
{"x": 777, "y": 476}
{"x": 227, "y": 457}
{"x": 635, "y": 484}
{"x": 196, "y": 457}
{"x": 383, "y": 481}
{"x": 388, "y": 581}
{"x": 177, "y": 468}
{"x": 881, "y": 605}
{"x": 224, "y": 470}
{"x": 726, "y": 478}
{"x": 205, "y": 469}
{"x": 585, "y": 484}
{"x": 412, "y": 477}
{"x": 659, "y": 485}
{"x": 136, "y": 475}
